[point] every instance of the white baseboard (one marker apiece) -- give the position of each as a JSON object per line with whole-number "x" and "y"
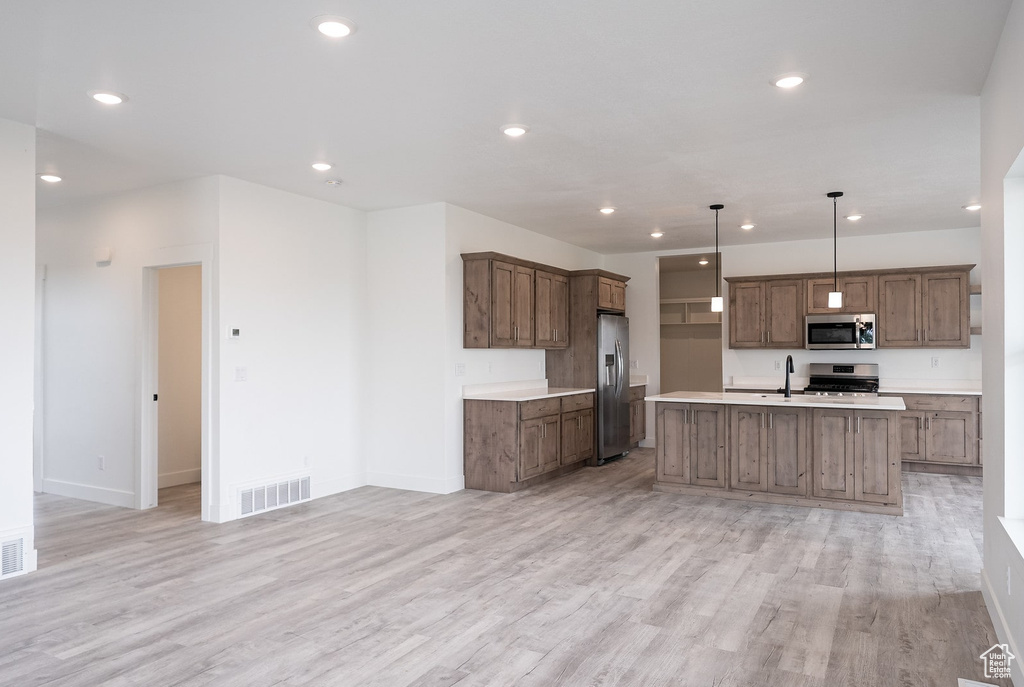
{"x": 173, "y": 479}
{"x": 111, "y": 497}
{"x": 336, "y": 486}
{"x": 430, "y": 485}
{"x": 1002, "y": 628}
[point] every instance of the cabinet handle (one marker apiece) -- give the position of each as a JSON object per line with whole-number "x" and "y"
{"x": 685, "y": 415}
{"x": 920, "y": 422}
{"x": 543, "y": 431}
{"x": 858, "y": 424}
{"x": 927, "y": 423}
{"x": 771, "y": 420}
{"x": 849, "y": 424}
{"x": 769, "y": 337}
{"x": 918, "y": 334}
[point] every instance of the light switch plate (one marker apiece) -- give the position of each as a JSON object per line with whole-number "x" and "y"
{"x": 460, "y": 369}
{"x": 241, "y": 374}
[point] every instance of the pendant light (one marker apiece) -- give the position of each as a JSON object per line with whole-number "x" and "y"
{"x": 717, "y": 305}
{"x": 835, "y": 297}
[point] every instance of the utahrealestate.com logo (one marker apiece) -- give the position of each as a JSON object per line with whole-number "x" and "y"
{"x": 997, "y": 661}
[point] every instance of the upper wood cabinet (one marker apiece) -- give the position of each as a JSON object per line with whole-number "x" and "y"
{"x": 766, "y": 314}
{"x": 611, "y": 294}
{"x": 927, "y": 307}
{"x": 552, "y": 310}
{"x": 859, "y": 295}
{"x": 510, "y": 303}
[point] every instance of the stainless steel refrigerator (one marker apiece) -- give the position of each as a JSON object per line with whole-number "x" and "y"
{"x": 612, "y": 386}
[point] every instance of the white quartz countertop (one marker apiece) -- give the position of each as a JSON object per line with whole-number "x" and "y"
{"x": 886, "y": 386}
{"x": 797, "y": 401}
{"x": 526, "y": 394}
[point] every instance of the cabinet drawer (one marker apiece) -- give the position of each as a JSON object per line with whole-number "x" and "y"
{"x": 965, "y": 404}
{"x": 539, "y": 408}
{"x": 637, "y": 393}
{"x": 577, "y": 402}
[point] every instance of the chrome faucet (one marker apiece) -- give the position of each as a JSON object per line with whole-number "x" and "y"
{"x": 789, "y": 368}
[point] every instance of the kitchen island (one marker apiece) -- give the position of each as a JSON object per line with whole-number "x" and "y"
{"x": 822, "y": 451}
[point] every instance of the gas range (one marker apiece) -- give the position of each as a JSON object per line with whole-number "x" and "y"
{"x": 828, "y": 379}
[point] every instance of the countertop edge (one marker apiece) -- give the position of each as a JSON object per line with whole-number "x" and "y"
{"x": 526, "y": 395}
{"x": 870, "y": 403}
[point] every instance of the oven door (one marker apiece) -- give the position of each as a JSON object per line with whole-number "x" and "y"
{"x": 840, "y": 332}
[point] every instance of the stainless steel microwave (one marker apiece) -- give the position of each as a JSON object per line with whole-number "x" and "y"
{"x": 841, "y": 332}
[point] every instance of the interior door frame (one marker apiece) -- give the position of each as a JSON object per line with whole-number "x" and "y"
{"x": 146, "y": 464}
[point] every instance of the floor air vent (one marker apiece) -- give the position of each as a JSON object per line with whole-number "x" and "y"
{"x": 12, "y": 557}
{"x": 270, "y": 496}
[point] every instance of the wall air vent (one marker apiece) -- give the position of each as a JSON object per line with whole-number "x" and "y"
{"x": 12, "y": 557}
{"x": 274, "y": 495}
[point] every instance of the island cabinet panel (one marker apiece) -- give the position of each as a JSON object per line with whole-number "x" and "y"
{"x": 672, "y": 455}
{"x": 748, "y": 448}
{"x": 784, "y": 312}
{"x": 899, "y": 301}
{"x": 877, "y": 457}
{"x": 946, "y": 310}
{"x": 833, "y": 453}
{"x": 787, "y": 451}
{"x": 707, "y": 445}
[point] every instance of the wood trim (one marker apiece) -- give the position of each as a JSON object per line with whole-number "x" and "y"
{"x": 942, "y": 468}
{"x": 854, "y": 273}
{"x": 779, "y": 499}
{"x": 501, "y": 257}
{"x": 599, "y": 273}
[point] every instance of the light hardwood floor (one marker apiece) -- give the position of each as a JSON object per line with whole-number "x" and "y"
{"x": 591, "y": 579}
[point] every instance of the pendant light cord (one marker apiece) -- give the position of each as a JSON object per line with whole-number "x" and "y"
{"x": 718, "y": 263}
{"x": 835, "y": 243}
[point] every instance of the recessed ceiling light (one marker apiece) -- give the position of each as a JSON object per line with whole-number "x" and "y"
{"x": 607, "y": 210}
{"x": 748, "y": 227}
{"x": 333, "y": 182}
{"x": 657, "y": 234}
{"x": 702, "y": 261}
{"x": 51, "y": 178}
{"x": 322, "y": 166}
{"x": 972, "y": 208}
{"x": 108, "y": 97}
{"x": 514, "y": 130}
{"x": 789, "y": 80}
{"x": 854, "y": 218}
{"x": 334, "y": 27}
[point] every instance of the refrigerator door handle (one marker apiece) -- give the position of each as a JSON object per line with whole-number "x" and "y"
{"x": 619, "y": 367}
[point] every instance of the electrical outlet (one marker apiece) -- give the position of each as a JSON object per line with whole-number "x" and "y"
{"x": 634, "y": 364}
{"x": 101, "y": 464}
{"x": 935, "y": 362}
{"x": 778, "y": 365}
{"x": 241, "y": 374}
{"x": 460, "y": 369}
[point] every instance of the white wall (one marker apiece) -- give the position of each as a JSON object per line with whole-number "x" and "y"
{"x": 470, "y": 232}
{"x": 1002, "y": 142}
{"x": 912, "y": 249}
{"x": 92, "y": 331}
{"x": 180, "y": 341}
{"x": 292, "y": 278}
{"x": 17, "y": 313}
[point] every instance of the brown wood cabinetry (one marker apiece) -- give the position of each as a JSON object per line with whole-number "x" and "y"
{"x": 768, "y": 449}
{"x": 926, "y": 307}
{"x": 511, "y": 303}
{"x": 691, "y": 444}
{"x": 611, "y": 294}
{"x": 855, "y": 455}
{"x": 941, "y": 433}
{"x": 509, "y": 445}
{"x": 766, "y": 314}
{"x": 859, "y": 295}
{"x": 637, "y": 414}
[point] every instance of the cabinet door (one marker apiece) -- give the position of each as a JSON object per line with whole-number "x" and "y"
{"x": 503, "y": 280}
{"x": 550, "y": 442}
{"x": 522, "y": 306}
{"x": 787, "y": 451}
{"x": 946, "y": 310}
{"x": 586, "y": 438}
{"x": 746, "y": 315}
{"x": 560, "y": 310}
{"x": 784, "y": 313}
{"x": 859, "y": 294}
{"x": 899, "y": 311}
{"x": 748, "y": 448}
{"x": 641, "y": 421}
{"x": 817, "y": 296}
{"x": 611, "y": 294}
{"x": 552, "y": 310}
{"x": 912, "y": 436}
{"x": 951, "y": 437}
{"x": 618, "y": 295}
{"x": 632, "y": 421}
{"x": 672, "y": 454}
{"x": 707, "y": 445}
{"x": 570, "y": 438}
{"x": 832, "y": 452}
{"x": 877, "y": 457}
{"x": 530, "y": 435}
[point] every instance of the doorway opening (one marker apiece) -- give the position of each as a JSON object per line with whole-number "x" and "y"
{"x": 179, "y": 383}
{"x": 691, "y": 335}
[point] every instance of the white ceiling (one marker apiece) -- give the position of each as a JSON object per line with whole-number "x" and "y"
{"x": 658, "y": 108}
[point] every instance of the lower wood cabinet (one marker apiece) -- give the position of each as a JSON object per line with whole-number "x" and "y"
{"x": 637, "y": 414}
{"x": 508, "y": 444}
{"x": 941, "y": 433}
{"x": 691, "y": 444}
{"x": 782, "y": 454}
